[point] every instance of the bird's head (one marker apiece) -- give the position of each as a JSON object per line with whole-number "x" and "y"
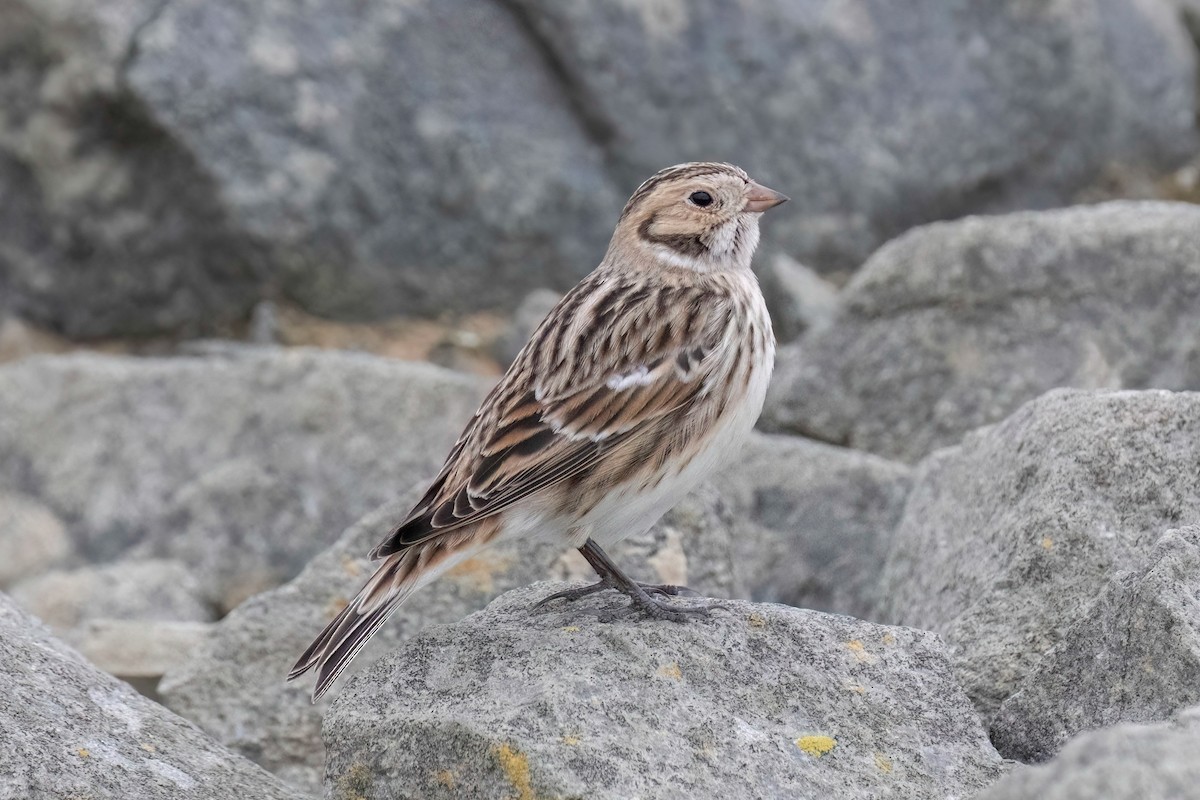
{"x": 702, "y": 216}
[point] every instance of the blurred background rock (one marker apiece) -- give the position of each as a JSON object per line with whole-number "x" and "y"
{"x": 990, "y": 201}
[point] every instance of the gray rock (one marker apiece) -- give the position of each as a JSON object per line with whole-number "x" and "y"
{"x": 141, "y": 651}
{"x": 756, "y": 701}
{"x": 799, "y": 299}
{"x": 873, "y": 120}
{"x": 1133, "y": 656}
{"x": 159, "y": 590}
{"x": 240, "y": 465}
{"x": 421, "y": 159}
{"x": 166, "y": 165}
{"x": 234, "y": 686}
{"x": 108, "y": 225}
{"x": 533, "y": 309}
{"x": 32, "y": 538}
{"x": 68, "y": 730}
{"x": 1125, "y": 762}
{"x": 1007, "y": 538}
{"x": 816, "y": 521}
{"x": 954, "y": 325}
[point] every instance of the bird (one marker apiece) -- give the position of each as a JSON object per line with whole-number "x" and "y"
{"x": 627, "y": 395}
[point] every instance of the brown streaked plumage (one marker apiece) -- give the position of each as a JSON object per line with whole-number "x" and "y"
{"x": 622, "y": 400}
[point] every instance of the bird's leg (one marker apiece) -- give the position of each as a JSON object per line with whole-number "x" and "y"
{"x": 643, "y": 596}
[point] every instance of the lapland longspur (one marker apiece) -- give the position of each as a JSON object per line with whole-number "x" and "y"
{"x": 639, "y": 381}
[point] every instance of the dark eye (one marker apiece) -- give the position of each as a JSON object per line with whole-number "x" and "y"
{"x": 701, "y": 199}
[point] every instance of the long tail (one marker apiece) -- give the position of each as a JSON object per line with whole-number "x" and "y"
{"x": 398, "y": 576}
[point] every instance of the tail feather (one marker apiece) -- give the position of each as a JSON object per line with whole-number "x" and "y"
{"x": 397, "y": 577}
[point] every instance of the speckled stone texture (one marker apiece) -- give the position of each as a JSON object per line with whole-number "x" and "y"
{"x": 1124, "y": 762}
{"x": 814, "y": 521}
{"x": 757, "y": 701}
{"x": 242, "y": 464}
{"x": 67, "y": 730}
{"x": 233, "y": 686}
{"x": 1133, "y": 656}
{"x": 1008, "y": 539}
{"x": 954, "y": 325}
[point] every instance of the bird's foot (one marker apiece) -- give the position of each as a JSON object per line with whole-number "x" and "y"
{"x": 649, "y": 589}
{"x": 647, "y": 598}
{"x": 657, "y": 605}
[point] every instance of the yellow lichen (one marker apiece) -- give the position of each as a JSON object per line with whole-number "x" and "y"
{"x": 516, "y": 769}
{"x": 883, "y": 763}
{"x": 479, "y": 573}
{"x": 570, "y": 741}
{"x": 84, "y": 752}
{"x": 816, "y": 745}
{"x": 446, "y": 778}
{"x": 757, "y": 620}
{"x": 888, "y": 639}
{"x": 571, "y": 629}
{"x": 336, "y": 606}
{"x": 149, "y": 748}
{"x": 860, "y": 652}
{"x": 354, "y": 783}
{"x": 671, "y": 671}
{"x": 1047, "y": 543}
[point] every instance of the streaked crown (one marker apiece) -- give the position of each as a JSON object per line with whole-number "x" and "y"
{"x": 701, "y": 215}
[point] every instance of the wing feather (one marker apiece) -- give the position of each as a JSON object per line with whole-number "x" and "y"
{"x": 532, "y": 433}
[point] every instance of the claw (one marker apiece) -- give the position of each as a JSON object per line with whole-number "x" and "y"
{"x": 644, "y": 597}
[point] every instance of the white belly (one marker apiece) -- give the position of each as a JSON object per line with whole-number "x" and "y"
{"x": 630, "y": 513}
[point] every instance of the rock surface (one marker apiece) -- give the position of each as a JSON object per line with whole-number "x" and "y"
{"x": 68, "y": 730}
{"x": 108, "y": 225}
{"x": 1133, "y": 656}
{"x": 32, "y": 538}
{"x": 1125, "y": 762}
{"x": 234, "y": 688}
{"x": 799, "y": 299}
{"x": 165, "y": 165}
{"x": 873, "y": 120}
{"x": 158, "y": 589}
{"x": 241, "y": 465}
{"x": 385, "y": 176}
{"x": 1007, "y": 538}
{"x": 815, "y": 521}
{"x": 954, "y": 325}
{"x": 132, "y": 619}
{"x": 533, "y": 309}
{"x": 756, "y": 700}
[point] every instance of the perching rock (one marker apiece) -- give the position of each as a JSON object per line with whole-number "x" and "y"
{"x": 815, "y": 521}
{"x": 874, "y": 120}
{"x": 67, "y": 730}
{"x": 32, "y": 538}
{"x": 1007, "y": 539}
{"x": 242, "y": 465}
{"x": 757, "y": 700}
{"x": 1124, "y": 762}
{"x": 954, "y": 325}
{"x": 1133, "y": 656}
{"x": 234, "y": 688}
